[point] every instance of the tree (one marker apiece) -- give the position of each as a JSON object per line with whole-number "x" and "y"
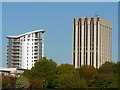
{"x": 68, "y": 77}
{"x": 88, "y": 72}
{"x": 6, "y": 82}
{"x": 27, "y": 73}
{"x": 44, "y": 69}
{"x": 36, "y": 83}
{"x": 100, "y": 82}
{"x": 22, "y": 82}
{"x": 107, "y": 68}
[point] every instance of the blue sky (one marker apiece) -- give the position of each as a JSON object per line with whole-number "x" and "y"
{"x": 56, "y": 19}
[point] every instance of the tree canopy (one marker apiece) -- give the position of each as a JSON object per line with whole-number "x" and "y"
{"x": 47, "y": 74}
{"x": 22, "y": 82}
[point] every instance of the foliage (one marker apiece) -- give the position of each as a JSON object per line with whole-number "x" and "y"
{"x": 88, "y": 72}
{"x": 27, "y": 74}
{"x": 100, "y": 82}
{"x": 22, "y": 82}
{"x": 44, "y": 69}
{"x": 68, "y": 77}
{"x": 6, "y": 82}
{"x": 36, "y": 83}
{"x": 107, "y": 67}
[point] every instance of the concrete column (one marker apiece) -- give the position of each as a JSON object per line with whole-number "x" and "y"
{"x": 110, "y": 44}
{"x": 85, "y": 43}
{"x": 82, "y": 46}
{"x": 95, "y": 42}
{"x": 101, "y": 30}
{"x": 73, "y": 44}
{"x": 88, "y": 46}
{"x": 76, "y": 42}
{"x": 99, "y": 60}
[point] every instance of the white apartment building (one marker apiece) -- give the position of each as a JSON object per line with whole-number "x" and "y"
{"x": 24, "y": 50}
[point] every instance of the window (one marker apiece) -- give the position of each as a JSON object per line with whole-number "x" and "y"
{"x": 36, "y": 35}
{"x": 29, "y": 35}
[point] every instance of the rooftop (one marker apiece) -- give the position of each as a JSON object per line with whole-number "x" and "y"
{"x": 25, "y": 34}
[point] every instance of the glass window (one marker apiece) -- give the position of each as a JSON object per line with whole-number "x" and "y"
{"x": 29, "y": 35}
{"x": 36, "y": 35}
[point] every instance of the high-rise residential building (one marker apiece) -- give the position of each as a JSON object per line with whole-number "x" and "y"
{"x": 24, "y": 50}
{"x": 92, "y": 37}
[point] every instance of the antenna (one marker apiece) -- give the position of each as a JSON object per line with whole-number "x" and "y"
{"x": 97, "y": 15}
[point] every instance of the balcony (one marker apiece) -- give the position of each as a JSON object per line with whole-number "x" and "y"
{"x": 36, "y": 47}
{"x": 15, "y": 65}
{"x": 35, "y": 61}
{"x": 15, "y": 62}
{"x": 16, "y": 44}
{"x": 17, "y": 40}
{"x": 35, "y": 57}
{"x": 15, "y": 52}
{"x": 16, "y": 48}
{"x": 36, "y": 43}
{"x": 15, "y": 59}
{"x": 36, "y": 51}
{"x": 35, "y": 54}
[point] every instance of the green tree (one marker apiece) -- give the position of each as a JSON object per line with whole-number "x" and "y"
{"x": 6, "y": 82}
{"x": 107, "y": 68}
{"x": 44, "y": 69}
{"x": 36, "y": 83}
{"x": 100, "y": 82}
{"x": 68, "y": 77}
{"x": 88, "y": 72}
{"x": 110, "y": 69}
{"x": 22, "y": 82}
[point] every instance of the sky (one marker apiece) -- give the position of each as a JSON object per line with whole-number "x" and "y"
{"x": 56, "y": 19}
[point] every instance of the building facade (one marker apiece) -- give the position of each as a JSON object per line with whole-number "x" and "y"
{"x": 24, "y": 50}
{"x": 92, "y": 41}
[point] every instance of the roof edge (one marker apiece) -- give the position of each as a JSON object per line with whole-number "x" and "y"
{"x": 25, "y": 34}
